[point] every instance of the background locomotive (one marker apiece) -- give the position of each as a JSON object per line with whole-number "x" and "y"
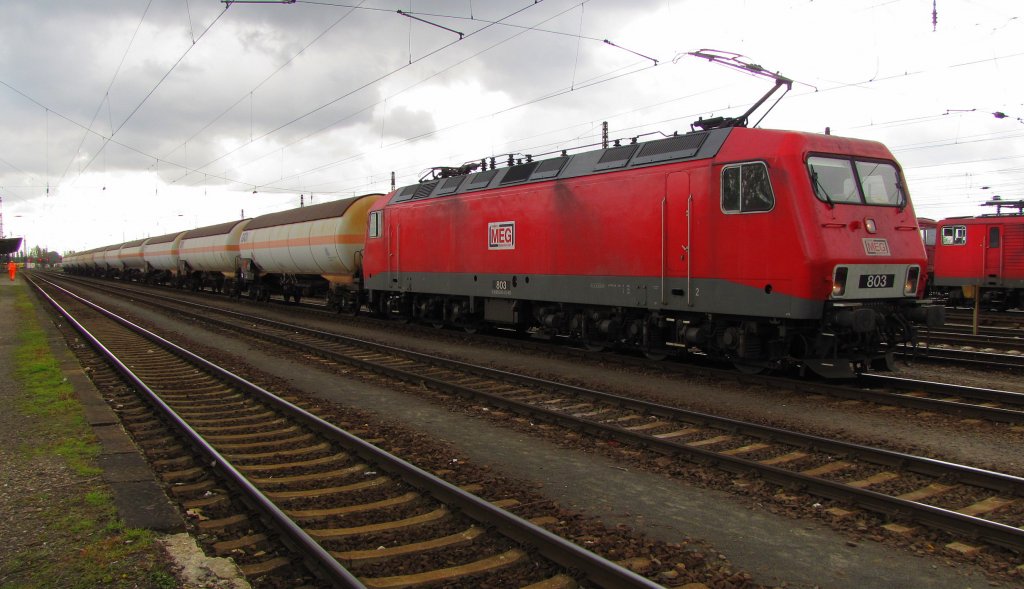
{"x": 766, "y": 248}
{"x": 984, "y": 252}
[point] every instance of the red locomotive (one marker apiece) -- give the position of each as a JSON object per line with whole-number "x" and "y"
{"x": 762, "y": 247}
{"x": 985, "y": 252}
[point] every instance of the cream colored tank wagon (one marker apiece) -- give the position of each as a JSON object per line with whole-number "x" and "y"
{"x": 295, "y": 251}
{"x": 130, "y": 258}
{"x": 161, "y": 256}
{"x": 208, "y": 256}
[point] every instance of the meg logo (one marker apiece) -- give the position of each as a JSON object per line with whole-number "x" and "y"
{"x": 501, "y": 235}
{"x": 876, "y": 246}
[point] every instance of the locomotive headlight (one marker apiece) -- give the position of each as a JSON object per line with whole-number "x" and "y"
{"x": 839, "y": 281}
{"x": 910, "y": 286}
{"x": 869, "y": 225}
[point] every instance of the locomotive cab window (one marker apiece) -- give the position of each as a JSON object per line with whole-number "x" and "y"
{"x": 838, "y": 180}
{"x": 746, "y": 189}
{"x": 928, "y": 235}
{"x": 954, "y": 235}
{"x": 374, "y": 229}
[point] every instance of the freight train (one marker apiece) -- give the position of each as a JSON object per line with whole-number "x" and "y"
{"x": 980, "y": 254}
{"x": 765, "y": 248}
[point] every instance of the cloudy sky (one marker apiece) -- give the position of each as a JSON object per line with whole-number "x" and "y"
{"x": 122, "y": 119}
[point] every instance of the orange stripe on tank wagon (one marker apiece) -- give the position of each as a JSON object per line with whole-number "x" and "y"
{"x": 348, "y": 239}
{"x": 209, "y": 249}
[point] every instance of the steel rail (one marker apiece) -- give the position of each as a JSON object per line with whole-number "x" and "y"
{"x": 324, "y": 561}
{"x": 952, "y": 390}
{"x": 601, "y": 571}
{"x": 986, "y": 360}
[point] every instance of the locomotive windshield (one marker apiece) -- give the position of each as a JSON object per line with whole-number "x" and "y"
{"x": 850, "y": 181}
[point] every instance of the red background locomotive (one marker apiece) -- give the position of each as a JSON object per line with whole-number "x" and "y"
{"x": 985, "y": 251}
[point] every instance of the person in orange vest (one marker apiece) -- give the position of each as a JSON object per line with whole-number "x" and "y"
{"x": 12, "y": 269}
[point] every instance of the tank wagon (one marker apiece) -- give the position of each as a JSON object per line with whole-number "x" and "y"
{"x": 107, "y": 261}
{"x": 208, "y": 256}
{"x": 309, "y": 251}
{"x": 130, "y": 261}
{"x": 985, "y": 252}
{"x": 161, "y": 257}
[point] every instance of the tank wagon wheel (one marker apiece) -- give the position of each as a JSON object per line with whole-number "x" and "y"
{"x": 473, "y": 327}
{"x": 350, "y": 308}
{"x": 746, "y": 367}
{"x": 886, "y": 363}
{"x": 656, "y": 355}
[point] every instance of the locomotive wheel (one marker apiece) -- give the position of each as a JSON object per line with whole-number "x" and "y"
{"x": 590, "y": 344}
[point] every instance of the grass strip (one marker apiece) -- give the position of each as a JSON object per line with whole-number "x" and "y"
{"x": 69, "y": 533}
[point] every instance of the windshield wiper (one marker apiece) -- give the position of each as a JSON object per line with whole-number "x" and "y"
{"x": 820, "y": 190}
{"x": 902, "y": 204}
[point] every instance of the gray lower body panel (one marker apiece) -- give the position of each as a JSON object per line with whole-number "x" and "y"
{"x": 674, "y": 294}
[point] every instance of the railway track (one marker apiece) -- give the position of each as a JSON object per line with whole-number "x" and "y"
{"x": 987, "y": 319}
{"x": 965, "y": 401}
{"x": 354, "y": 511}
{"x": 877, "y": 388}
{"x": 998, "y": 339}
{"x": 985, "y": 360}
{"x": 965, "y": 501}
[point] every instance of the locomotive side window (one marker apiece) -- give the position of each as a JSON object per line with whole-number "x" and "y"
{"x": 993, "y": 237}
{"x": 954, "y": 235}
{"x": 746, "y": 189}
{"x": 374, "y": 229}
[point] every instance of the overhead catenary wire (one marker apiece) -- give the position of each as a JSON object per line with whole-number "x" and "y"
{"x": 393, "y": 95}
{"x": 355, "y": 90}
{"x": 254, "y": 138}
{"x": 608, "y": 77}
{"x": 106, "y": 93}
{"x": 153, "y": 89}
{"x": 261, "y": 83}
